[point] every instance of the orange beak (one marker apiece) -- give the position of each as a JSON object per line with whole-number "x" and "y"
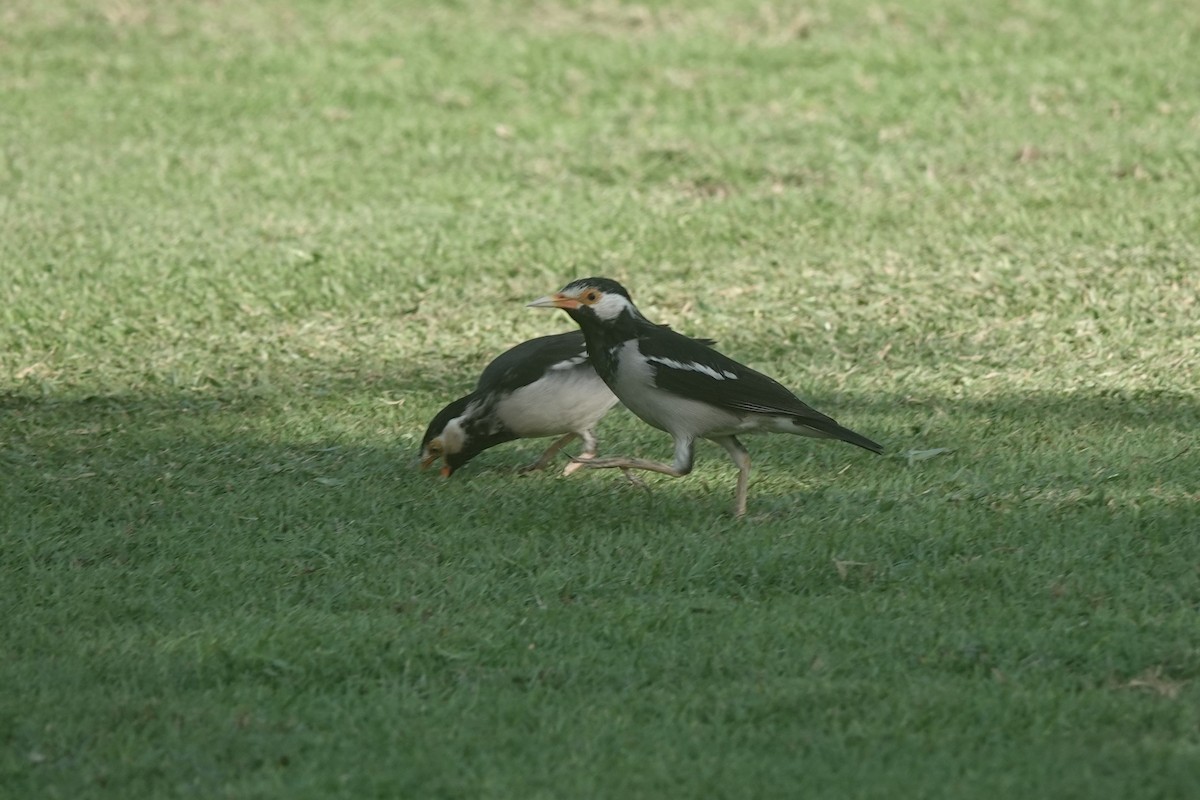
{"x": 427, "y": 462}
{"x": 556, "y": 300}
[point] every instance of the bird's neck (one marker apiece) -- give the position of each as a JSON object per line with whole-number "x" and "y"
{"x": 605, "y": 339}
{"x": 487, "y": 430}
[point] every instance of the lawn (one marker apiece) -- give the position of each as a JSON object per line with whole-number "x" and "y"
{"x": 248, "y": 251}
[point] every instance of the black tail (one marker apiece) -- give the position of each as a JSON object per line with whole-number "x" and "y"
{"x": 827, "y": 427}
{"x": 847, "y": 435}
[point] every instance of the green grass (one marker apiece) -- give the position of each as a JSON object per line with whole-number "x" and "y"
{"x": 248, "y": 250}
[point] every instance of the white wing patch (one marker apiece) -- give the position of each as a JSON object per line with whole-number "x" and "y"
{"x": 570, "y": 363}
{"x": 694, "y": 367}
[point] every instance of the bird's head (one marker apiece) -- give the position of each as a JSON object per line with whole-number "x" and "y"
{"x": 590, "y": 300}
{"x": 448, "y": 439}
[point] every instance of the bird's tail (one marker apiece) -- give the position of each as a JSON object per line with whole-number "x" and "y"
{"x": 847, "y": 435}
{"x": 823, "y": 427}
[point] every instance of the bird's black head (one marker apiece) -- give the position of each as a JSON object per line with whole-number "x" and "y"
{"x": 591, "y": 300}
{"x": 457, "y": 434}
{"x": 604, "y": 285}
{"x": 444, "y": 436}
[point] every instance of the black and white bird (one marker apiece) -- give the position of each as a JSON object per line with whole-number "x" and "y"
{"x": 681, "y": 386}
{"x": 542, "y": 387}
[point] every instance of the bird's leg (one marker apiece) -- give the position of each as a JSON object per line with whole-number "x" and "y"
{"x": 741, "y": 457}
{"x": 621, "y": 462}
{"x": 549, "y": 455}
{"x": 589, "y": 452}
{"x": 684, "y": 449}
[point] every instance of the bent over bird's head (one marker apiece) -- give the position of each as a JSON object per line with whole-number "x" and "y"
{"x": 458, "y": 433}
{"x": 446, "y": 439}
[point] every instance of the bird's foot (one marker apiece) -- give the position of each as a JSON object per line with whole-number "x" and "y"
{"x": 577, "y": 463}
{"x": 634, "y": 480}
{"x": 608, "y": 462}
{"x": 588, "y": 460}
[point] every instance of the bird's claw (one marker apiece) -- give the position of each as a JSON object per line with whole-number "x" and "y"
{"x": 577, "y": 463}
{"x": 634, "y": 480}
{"x": 587, "y": 460}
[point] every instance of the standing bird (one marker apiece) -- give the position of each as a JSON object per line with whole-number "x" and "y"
{"x": 542, "y": 387}
{"x": 681, "y": 386}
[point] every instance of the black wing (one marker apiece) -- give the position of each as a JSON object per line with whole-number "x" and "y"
{"x": 688, "y": 368}
{"x": 528, "y": 361}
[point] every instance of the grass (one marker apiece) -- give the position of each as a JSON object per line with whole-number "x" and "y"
{"x": 249, "y": 251}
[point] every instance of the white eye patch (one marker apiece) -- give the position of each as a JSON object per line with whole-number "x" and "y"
{"x": 610, "y": 306}
{"x": 453, "y": 436}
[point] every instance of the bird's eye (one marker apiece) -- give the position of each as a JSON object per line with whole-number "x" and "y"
{"x": 435, "y": 448}
{"x": 591, "y": 296}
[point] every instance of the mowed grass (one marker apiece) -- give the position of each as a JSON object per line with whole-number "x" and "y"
{"x": 248, "y": 250}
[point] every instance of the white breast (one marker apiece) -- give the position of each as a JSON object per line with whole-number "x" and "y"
{"x": 562, "y": 401}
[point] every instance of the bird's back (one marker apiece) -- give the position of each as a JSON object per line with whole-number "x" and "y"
{"x": 690, "y": 369}
{"x": 530, "y": 360}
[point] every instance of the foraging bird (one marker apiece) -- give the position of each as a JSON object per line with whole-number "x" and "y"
{"x": 681, "y": 386}
{"x": 542, "y": 387}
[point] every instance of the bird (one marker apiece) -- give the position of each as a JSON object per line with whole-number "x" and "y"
{"x": 682, "y": 385}
{"x": 542, "y": 387}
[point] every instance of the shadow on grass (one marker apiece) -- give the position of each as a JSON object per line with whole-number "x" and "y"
{"x": 193, "y": 455}
{"x": 168, "y": 516}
